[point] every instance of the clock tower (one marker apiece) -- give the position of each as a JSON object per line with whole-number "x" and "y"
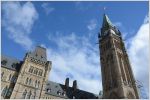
{"x": 117, "y": 76}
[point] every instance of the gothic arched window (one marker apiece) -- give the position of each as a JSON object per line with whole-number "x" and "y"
{"x": 13, "y": 79}
{"x": 31, "y": 69}
{"x": 4, "y": 62}
{"x": 9, "y": 91}
{"x": 4, "y": 92}
{"x": 27, "y": 80}
{"x": 29, "y": 95}
{"x": 9, "y": 77}
{"x": 24, "y": 94}
{"x": 33, "y": 96}
{"x": 30, "y": 81}
{"x": 36, "y": 83}
{"x": 2, "y": 74}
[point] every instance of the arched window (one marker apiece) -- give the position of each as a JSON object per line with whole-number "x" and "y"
{"x": 9, "y": 92}
{"x": 24, "y": 94}
{"x": 2, "y": 74}
{"x": 29, "y": 95}
{"x": 4, "y": 92}
{"x": 39, "y": 73}
{"x": 36, "y": 83}
{"x": 30, "y": 81}
{"x": 9, "y": 77}
{"x": 36, "y": 71}
{"x": 34, "y": 94}
{"x": 13, "y": 79}
{"x": 27, "y": 80}
{"x": 31, "y": 69}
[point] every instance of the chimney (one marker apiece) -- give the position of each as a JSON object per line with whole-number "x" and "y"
{"x": 67, "y": 83}
{"x": 75, "y": 85}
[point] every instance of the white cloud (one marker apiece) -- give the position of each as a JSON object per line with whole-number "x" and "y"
{"x": 92, "y": 24}
{"x": 118, "y": 24}
{"x": 76, "y": 58}
{"x": 47, "y": 8}
{"x": 80, "y": 5}
{"x": 18, "y": 20}
{"x": 138, "y": 53}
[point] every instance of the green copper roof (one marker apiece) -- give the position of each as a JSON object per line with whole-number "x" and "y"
{"x": 106, "y": 21}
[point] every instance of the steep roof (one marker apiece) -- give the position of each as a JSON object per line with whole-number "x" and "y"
{"x": 55, "y": 88}
{"x": 10, "y": 63}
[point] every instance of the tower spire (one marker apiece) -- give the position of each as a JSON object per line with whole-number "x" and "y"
{"x": 106, "y": 21}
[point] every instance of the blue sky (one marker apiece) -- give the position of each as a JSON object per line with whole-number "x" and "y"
{"x": 69, "y": 32}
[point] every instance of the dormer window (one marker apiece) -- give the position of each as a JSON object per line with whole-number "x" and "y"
{"x": 64, "y": 94}
{"x": 3, "y": 62}
{"x": 58, "y": 92}
{"x": 48, "y": 90}
{"x": 13, "y": 65}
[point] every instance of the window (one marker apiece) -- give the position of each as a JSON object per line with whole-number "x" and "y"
{"x": 13, "y": 79}
{"x": 30, "y": 81}
{"x": 27, "y": 80}
{"x": 2, "y": 74}
{"x": 33, "y": 97}
{"x": 29, "y": 95}
{"x": 13, "y": 65}
{"x": 9, "y": 77}
{"x": 58, "y": 92}
{"x": 41, "y": 72}
{"x": 48, "y": 90}
{"x": 9, "y": 92}
{"x": 3, "y": 62}
{"x": 64, "y": 94}
{"x": 35, "y": 71}
{"x": 24, "y": 94}
{"x": 73, "y": 97}
{"x": 4, "y": 92}
{"x": 31, "y": 69}
{"x": 36, "y": 83}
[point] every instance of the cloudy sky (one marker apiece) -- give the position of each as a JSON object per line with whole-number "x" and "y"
{"x": 69, "y": 32}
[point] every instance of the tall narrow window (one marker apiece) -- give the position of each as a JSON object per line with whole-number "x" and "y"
{"x": 33, "y": 96}
{"x": 36, "y": 83}
{"x": 30, "y": 81}
{"x": 9, "y": 92}
{"x": 4, "y": 92}
{"x": 41, "y": 72}
{"x": 27, "y": 80}
{"x": 32, "y": 70}
{"x": 12, "y": 79}
{"x": 24, "y": 94}
{"x": 2, "y": 74}
{"x": 9, "y": 77}
{"x": 29, "y": 95}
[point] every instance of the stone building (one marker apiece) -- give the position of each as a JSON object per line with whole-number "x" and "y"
{"x": 28, "y": 79}
{"x": 117, "y": 76}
